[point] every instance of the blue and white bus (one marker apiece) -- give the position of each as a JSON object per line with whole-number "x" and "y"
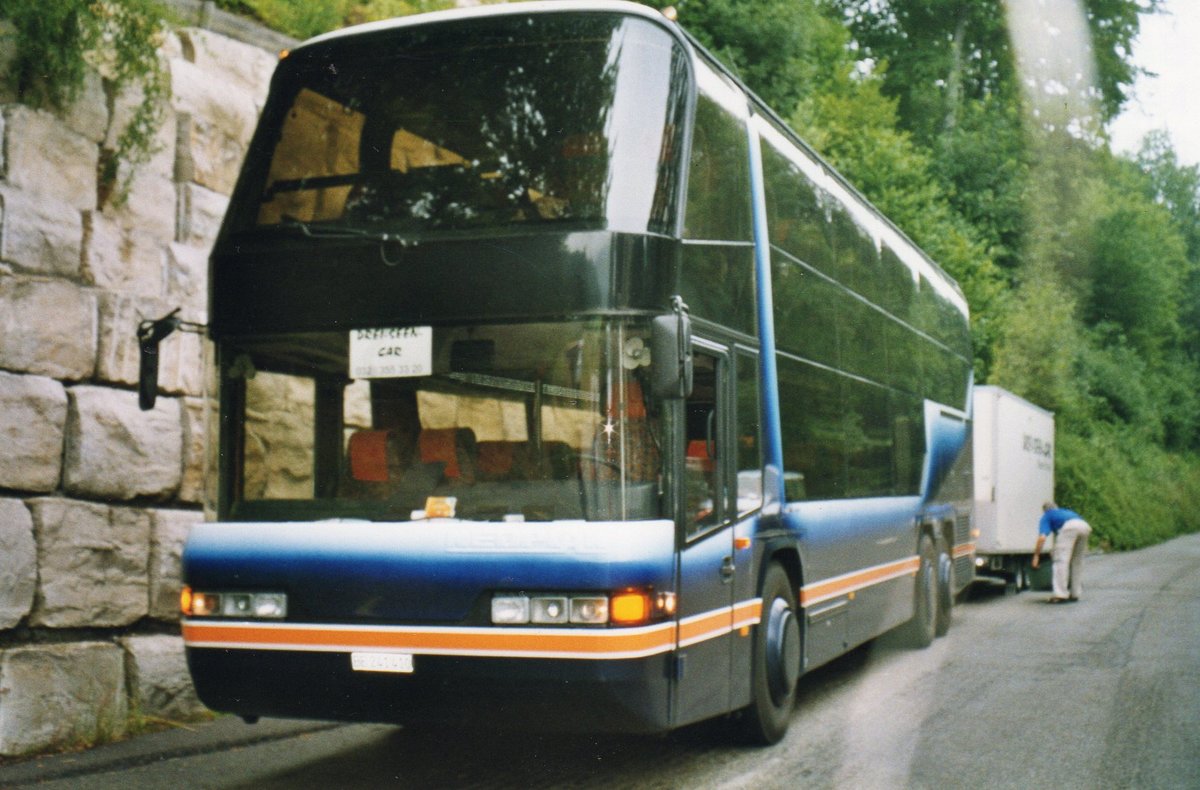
{"x": 559, "y": 384}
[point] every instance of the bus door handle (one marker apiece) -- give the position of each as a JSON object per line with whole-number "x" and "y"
{"x": 727, "y": 569}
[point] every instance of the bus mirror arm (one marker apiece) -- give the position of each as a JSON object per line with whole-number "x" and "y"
{"x": 150, "y": 333}
{"x": 671, "y": 352}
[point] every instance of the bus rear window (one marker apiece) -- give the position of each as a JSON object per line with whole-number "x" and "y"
{"x": 511, "y": 121}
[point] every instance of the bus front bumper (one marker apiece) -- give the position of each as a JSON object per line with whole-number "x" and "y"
{"x": 564, "y": 695}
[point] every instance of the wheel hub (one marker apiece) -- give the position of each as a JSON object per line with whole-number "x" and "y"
{"x": 783, "y": 651}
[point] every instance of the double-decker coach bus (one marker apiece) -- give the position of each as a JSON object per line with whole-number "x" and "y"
{"x": 559, "y": 384}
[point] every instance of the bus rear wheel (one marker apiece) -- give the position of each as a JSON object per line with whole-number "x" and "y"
{"x": 776, "y": 663}
{"x": 945, "y": 587}
{"x": 922, "y": 628}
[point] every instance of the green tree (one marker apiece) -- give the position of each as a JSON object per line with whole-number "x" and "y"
{"x": 1037, "y": 343}
{"x": 943, "y": 53}
{"x": 777, "y": 47}
{"x": 1177, "y": 187}
{"x": 1137, "y": 262}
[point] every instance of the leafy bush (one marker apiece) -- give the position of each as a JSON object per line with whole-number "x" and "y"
{"x": 1132, "y": 492}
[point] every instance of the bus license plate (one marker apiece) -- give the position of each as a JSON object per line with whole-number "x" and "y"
{"x": 381, "y": 662}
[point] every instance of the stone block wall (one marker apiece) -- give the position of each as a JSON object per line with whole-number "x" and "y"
{"x": 96, "y": 496}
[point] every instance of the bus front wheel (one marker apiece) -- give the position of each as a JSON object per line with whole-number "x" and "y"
{"x": 776, "y": 663}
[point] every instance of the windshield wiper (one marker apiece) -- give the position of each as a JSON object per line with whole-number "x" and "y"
{"x": 343, "y": 232}
{"x": 391, "y": 245}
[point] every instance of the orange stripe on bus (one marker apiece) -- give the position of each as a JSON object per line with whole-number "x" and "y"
{"x": 747, "y": 613}
{"x": 847, "y": 583}
{"x": 705, "y": 626}
{"x": 500, "y": 642}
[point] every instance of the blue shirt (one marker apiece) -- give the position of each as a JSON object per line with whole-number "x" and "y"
{"x": 1054, "y": 518}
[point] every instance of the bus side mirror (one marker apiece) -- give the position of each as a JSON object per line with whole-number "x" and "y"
{"x": 147, "y": 373}
{"x": 149, "y": 334}
{"x": 671, "y": 353}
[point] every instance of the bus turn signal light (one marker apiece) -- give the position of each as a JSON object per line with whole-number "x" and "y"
{"x": 629, "y": 607}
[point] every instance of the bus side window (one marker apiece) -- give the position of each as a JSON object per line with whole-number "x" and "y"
{"x": 703, "y": 489}
{"x": 749, "y": 459}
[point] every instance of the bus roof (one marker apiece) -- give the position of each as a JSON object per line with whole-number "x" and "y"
{"x": 503, "y": 9}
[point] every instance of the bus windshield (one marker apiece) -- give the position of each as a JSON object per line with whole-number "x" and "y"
{"x": 510, "y": 121}
{"x": 516, "y": 422}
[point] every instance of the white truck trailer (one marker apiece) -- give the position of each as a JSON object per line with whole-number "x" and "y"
{"x": 1013, "y": 444}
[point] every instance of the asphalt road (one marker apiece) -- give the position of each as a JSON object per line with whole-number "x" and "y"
{"x": 1104, "y": 693}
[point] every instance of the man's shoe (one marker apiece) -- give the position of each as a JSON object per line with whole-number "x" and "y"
{"x": 1057, "y": 600}
{"x": 1073, "y": 599}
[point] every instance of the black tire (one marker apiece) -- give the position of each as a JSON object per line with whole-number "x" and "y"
{"x": 945, "y": 585}
{"x": 922, "y": 628}
{"x": 776, "y": 664}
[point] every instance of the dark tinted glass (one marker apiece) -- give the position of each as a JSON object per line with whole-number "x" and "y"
{"x": 869, "y": 440}
{"x": 495, "y": 122}
{"x": 896, "y": 286}
{"x": 796, "y": 212}
{"x": 864, "y": 338}
{"x": 807, "y": 310}
{"x": 908, "y": 431}
{"x": 905, "y": 359}
{"x": 718, "y": 203}
{"x": 732, "y": 302}
{"x": 854, "y": 253}
{"x": 811, "y": 419}
{"x": 749, "y": 460}
{"x": 872, "y": 336}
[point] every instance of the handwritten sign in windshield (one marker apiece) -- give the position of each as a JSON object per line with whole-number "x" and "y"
{"x": 391, "y": 353}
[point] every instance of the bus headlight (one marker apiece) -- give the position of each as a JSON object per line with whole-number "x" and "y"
{"x": 265, "y": 606}
{"x": 589, "y": 611}
{"x": 510, "y": 609}
{"x": 627, "y": 607}
{"x": 549, "y": 609}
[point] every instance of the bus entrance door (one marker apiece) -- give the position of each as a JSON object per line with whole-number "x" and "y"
{"x": 706, "y": 560}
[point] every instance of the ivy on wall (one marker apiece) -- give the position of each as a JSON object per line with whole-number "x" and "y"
{"x": 56, "y": 43}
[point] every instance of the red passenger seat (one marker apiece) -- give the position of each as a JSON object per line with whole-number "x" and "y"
{"x": 496, "y": 458}
{"x": 368, "y": 456}
{"x": 454, "y": 447}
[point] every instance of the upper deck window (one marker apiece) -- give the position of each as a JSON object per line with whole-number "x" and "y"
{"x": 507, "y": 121}
{"x": 718, "y": 199}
